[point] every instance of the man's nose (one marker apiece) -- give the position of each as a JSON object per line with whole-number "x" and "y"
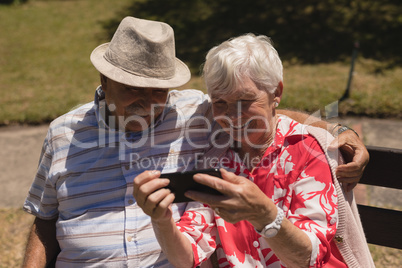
{"x": 145, "y": 99}
{"x": 146, "y": 104}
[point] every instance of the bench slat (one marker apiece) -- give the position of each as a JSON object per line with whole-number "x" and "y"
{"x": 382, "y": 226}
{"x": 383, "y": 168}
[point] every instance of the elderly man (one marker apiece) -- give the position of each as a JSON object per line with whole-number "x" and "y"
{"x": 82, "y": 195}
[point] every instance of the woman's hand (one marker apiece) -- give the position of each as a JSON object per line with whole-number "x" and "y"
{"x": 242, "y": 199}
{"x": 154, "y": 200}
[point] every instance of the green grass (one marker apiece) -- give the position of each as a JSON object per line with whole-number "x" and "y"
{"x": 44, "y": 63}
{"x": 375, "y": 90}
{"x": 46, "y": 71}
{"x": 15, "y": 225}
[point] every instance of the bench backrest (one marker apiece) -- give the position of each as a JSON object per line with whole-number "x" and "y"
{"x": 383, "y": 226}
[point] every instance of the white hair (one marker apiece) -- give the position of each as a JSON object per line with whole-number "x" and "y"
{"x": 249, "y": 56}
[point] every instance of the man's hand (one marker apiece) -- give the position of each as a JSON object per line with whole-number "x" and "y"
{"x": 154, "y": 200}
{"x": 356, "y": 157}
{"x": 352, "y": 148}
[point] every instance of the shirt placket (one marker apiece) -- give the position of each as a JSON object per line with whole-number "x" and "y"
{"x": 131, "y": 209}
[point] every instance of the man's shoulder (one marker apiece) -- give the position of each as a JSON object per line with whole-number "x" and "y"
{"x": 187, "y": 97}
{"x": 84, "y": 113}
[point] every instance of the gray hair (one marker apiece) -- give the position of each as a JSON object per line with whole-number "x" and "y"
{"x": 248, "y": 55}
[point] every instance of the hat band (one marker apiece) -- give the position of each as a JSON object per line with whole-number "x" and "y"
{"x": 139, "y": 69}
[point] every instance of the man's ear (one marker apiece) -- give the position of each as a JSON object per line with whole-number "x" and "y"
{"x": 103, "y": 82}
{"x": 278, "y": 92}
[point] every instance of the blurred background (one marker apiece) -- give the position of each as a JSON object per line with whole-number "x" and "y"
{"x": 45, "y": 48}
{"x": 45, "y": 70}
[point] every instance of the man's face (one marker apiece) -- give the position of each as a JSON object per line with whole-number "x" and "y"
{"x": 134, "y": 108}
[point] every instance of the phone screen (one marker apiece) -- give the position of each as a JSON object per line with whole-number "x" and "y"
{"x": 180, "y": 182}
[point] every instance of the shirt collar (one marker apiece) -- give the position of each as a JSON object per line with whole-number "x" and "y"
{"x": 101, "y": 108}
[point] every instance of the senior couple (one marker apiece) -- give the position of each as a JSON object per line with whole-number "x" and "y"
{"x": 282, "y": 204}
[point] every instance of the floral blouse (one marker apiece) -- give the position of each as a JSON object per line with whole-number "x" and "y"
{"x": 295, "y": 174}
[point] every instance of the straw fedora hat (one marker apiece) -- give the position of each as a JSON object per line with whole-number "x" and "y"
{"x": 141, "y": 54}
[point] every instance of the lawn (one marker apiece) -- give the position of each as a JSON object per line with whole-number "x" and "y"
{"x": 45, "y": 48}
{"x": 46, "y": 71}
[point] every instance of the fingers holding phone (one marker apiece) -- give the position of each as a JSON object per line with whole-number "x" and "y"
{"x": 227, "y": 187}
{"x": 241, "y": 199}
{"x": 151, "y": 195}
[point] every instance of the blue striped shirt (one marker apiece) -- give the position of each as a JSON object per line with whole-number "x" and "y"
{"x": 85, "y": 179}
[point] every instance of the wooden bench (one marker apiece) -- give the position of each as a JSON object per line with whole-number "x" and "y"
{"x": 383, "y": 226}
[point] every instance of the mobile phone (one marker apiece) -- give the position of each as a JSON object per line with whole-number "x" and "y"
{"x": 180, "y": 182}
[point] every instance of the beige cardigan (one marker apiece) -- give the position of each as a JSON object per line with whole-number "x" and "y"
{"x": 349, "y": 237}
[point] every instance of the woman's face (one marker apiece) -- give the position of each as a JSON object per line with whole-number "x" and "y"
{"x": 248, "y": 114}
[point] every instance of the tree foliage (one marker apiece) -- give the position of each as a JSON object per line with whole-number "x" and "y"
{"x": 9, "y": 2}
{"x": 307, "y": 31}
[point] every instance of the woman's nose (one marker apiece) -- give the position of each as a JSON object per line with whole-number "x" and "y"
{"x": 233, "y": 110}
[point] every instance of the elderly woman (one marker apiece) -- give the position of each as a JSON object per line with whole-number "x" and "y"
{"x": 280, "y": 204}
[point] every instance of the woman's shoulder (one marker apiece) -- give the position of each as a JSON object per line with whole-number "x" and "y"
{"x": 295, "y": 134}
{"x": 288, "y": 127}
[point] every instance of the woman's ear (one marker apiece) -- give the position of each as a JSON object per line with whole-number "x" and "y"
{"x": 278, "y": 92}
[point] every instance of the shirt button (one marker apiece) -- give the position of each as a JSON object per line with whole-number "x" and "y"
{"x": 131, "y": 201}
{"x": 127, "y": 167}
{"x": 332, "y": 221}
{"x": 256, "y": 244}
{"x": 338, "y": 239}
{"x": 129, "y": 238}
